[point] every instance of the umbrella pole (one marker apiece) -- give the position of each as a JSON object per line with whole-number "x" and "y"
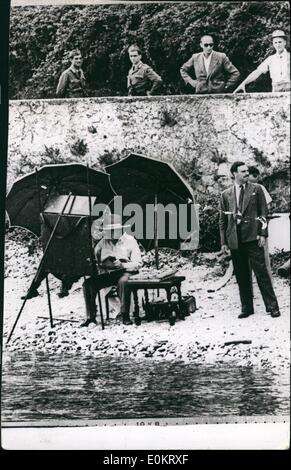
{"x": 156, "y": 243}
{"x": 38, "y": 192}
{"x": 49, "y": 301}
{"x": 92, "y": 261}
{"x": 46, "y": 279}
{"x": 40, "y": 265}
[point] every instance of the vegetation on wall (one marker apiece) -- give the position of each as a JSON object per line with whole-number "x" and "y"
{"x": 168, "y": 33}
{"x": 277, "y": 182}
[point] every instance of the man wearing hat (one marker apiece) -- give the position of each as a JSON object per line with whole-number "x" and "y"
{"x": 278, "y": 65}
{"x": 118, "y": 255}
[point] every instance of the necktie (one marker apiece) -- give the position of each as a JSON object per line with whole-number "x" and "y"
{"x": 241, "y": 198}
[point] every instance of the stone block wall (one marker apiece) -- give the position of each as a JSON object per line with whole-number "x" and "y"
{"x": 201, "y": 135}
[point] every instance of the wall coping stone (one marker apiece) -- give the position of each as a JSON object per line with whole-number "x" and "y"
{"x": 178, "y": 98}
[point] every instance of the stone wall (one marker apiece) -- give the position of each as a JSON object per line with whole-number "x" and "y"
{"x": 200, "y": 135}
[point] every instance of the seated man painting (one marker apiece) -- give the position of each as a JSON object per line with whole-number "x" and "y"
{"x": 117, "y": 255}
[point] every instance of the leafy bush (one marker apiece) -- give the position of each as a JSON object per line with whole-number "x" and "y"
{"x": 209, "y": 238}
{"x": 79, "y": 148}
{"x": 25, "y": 163}
{"x": 168, "y": 33}
{"x": 278, "y": 259}
{"x": 277, "y": 182}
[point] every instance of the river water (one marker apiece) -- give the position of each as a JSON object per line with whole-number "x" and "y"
{"x": 40, "y": 386}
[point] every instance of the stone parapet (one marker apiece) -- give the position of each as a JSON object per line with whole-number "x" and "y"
{"x": 199, "y": 131}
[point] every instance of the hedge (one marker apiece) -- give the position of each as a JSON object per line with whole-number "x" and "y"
{"x": 168, "y": 33}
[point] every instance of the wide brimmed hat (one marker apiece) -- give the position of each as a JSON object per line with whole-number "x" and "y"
{"x": 113, "y": 222}
{"x": 278, "y": 33}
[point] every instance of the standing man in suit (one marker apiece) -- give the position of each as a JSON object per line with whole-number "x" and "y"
{"x": 243, "y": 231}
{"x": 278, "y": 66}
{"x": 213, "y": 71}
{"x": 142, "y": 80}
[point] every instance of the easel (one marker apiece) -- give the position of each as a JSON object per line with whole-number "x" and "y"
{"x": 43, "y": 259}
{"x": 39, "y": 269}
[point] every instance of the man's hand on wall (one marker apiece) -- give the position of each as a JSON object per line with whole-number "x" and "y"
{"x": 193, "y": 83}
{"x": 241, "y": 87}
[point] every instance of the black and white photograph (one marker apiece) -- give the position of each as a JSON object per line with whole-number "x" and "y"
{"x": 147, "y": 226}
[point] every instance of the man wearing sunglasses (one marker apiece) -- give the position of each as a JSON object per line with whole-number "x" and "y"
{"x": 209, "y": 71}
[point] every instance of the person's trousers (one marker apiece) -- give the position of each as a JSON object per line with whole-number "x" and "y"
{"x": 94, "y": 284}
{"x": 267, "y": 260}
{"x": 67, "y": 281}
{"x": 250, "y": 256}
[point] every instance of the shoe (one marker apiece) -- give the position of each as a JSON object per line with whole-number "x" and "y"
{"x": 63, "y": 292}
{"x": 275, "y": 314}
{"x": 87, "y": 322}
{"x": 31, "y": 293}
{"x": 127, "y": 321}
{"x": 245, "y": 314}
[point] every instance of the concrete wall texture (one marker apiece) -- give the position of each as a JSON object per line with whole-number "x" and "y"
{"x": 195, "y": 133}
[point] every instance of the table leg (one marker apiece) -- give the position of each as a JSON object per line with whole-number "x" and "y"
{"x": 172, "y": 309}
{"x": 146, "y": 297}
{"x": 136, "y": 308}
{"x": 168, "y": 291}
{"x": 146, "y": 305}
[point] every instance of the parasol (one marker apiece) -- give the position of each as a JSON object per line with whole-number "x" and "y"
{"x": 149, "y": 181}
{"x": 31, "y": 193}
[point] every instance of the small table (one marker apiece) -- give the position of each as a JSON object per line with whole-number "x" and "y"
{"x": 135, "y": 284}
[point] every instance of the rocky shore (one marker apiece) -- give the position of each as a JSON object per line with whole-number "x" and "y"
{"x": 212, "y": 334}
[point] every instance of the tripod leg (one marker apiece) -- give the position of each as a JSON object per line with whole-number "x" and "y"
{"x": 41, "y": 262}
{"x": 101, "y": 311}
{"x": 49, "y": 301}
{"x": 16, "y": 321}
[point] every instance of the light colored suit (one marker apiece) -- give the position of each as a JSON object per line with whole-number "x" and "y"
{"x": 222, "y": 75}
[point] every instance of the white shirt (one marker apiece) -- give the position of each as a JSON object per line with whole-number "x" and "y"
{"x": 267, "y": 195}
{"x": 125, "y": 249}
{"x": 207, "y": 62}
{"x": 278, "y": 65}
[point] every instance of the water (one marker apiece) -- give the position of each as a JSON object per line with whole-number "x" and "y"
{"x": 39, "y": 386}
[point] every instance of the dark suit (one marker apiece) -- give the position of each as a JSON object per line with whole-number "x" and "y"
{"x": 242, "y": 241}
{"x": 222, "y": 74}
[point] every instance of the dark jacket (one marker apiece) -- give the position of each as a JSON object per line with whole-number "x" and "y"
{"x": 221, "y": 78}
{"x": 141, "y": 79}
{"x": 254, "y": 205}
{"x": 72, "y": 84}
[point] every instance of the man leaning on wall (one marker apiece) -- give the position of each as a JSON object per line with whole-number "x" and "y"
{"x": 278, "y": 66}
{"x": 213, "y": 71}
{"x": 142, "y": 80}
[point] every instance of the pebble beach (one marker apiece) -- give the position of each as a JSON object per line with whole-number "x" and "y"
{"x": 212, "y": 334}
